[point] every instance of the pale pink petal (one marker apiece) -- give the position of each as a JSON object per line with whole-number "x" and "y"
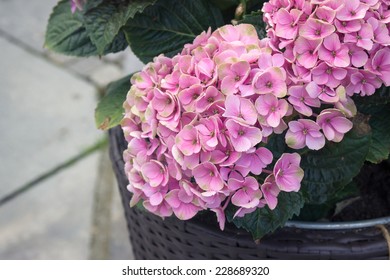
{"x": 328, "y": 132}
{"x": 156, "y": 199}
{"x": 186, "y": 211}
{"x": 342, "y": 124}
{"x": 316, "y": 143}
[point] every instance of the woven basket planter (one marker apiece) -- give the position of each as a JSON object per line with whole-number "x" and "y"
{"x": 154, "y": 238}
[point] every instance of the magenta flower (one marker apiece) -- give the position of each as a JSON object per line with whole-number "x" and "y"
{"x": 232, "y": 76}
{"x": 380, "y": 63}
{"x": 208, "y": 132}
{"x": 303, "y": 133}
{"x": 271, "y": 81}
{"x": 208, "y": 178}
{"x": 325, "y": 13}
{"x": 302, "y": 101}
{"x": 267, "y": 60}
{"x": 270, "y": 192}
{"x": 323, "y": 92}
{"x": 187, "y": 140}
{"x": 230, "y": 172}
{"x": 155, "y": 173}
{"x": 363, "y": 38}
{"x": 155, "y": 195}
{"x": 286, "y": 26}
{"x": 243, "y": 137}
{"x": 240, "y": 109}
{"x": 306, "y": 51}
{"x": 334, "y": 124}
{"x": 348, "y": 26}
{"x": 381, "y": 31}
{"x": 333, "y": 52}
{"x": 187, "y": 81}
{"x": 248, "y": 193}
{"x": 189, "y": 97}
{"x": 254, "y": 162}
{"x": 358, "y": 56}
{"x": 351, "y": 10}
{"x": 271, "y": 108}
{"x": 166, "y": 106}
{"x": 182, "y": 203}
{"x": 299, "y": 74}
{"x": 221, "y": 218}
{"x": 204, "y": 70}
{"x": 288, "y": 174}
{"x": 324, "y": 74}
{"x": 171, "y": 81}
{"x": 162, "y": 210}
{"x": 210, "y": 96}
{"x": 186, "y": 64}
{"x": 196, "y": 124}
{"x": 364, "y": 83}
{"x": 243, "y": 33}
{"x": 314, "y": 29}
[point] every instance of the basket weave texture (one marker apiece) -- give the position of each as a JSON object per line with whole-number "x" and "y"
{"x": 154, "y": 238}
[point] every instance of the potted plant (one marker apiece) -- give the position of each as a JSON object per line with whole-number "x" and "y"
{"x": 271, "y": 116}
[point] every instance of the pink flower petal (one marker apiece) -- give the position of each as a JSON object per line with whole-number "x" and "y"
{"x": 156, "y": 199}
{"x": 316, "y": 29}
{"x": 186, "y": 211}
{"x": 315, "y": 143}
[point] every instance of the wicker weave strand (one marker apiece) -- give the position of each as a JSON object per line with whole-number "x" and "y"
{"x": 386, "y": 235}
{"x": 154, "y": 238}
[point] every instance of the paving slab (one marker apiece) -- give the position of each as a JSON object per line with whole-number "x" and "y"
{"x": 109, "y": 234}
{"x": 98, "y": 71}
{"x": 26, "y": 20}
{"x": 46, "y": 116}
{"x": 53, "y": 220}
{"x": 120, "y": 247}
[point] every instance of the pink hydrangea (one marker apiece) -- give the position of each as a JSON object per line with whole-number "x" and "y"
{"x": 197, "y": 124}
{"x": 302, "y": 133}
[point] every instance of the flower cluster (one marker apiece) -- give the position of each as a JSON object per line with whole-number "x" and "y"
{"x": 330, "y": 43}
{"x": 197, "y": 124}
{"x": 333, "y": 49}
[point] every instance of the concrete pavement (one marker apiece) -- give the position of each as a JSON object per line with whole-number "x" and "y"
{"x": 47, "y": 104}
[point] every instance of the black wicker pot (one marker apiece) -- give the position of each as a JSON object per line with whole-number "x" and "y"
{"x": 154, "y": 238}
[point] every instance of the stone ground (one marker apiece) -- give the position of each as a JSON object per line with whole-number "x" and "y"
{"x": 47, "y": 101}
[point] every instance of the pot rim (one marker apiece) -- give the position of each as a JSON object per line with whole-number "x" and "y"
{"x": 339, "y": 225}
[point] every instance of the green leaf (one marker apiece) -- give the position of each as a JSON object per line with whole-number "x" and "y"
{"x": 169, "y": 24}
{"x": 380, "y": 125}
{"x": 91, "y": 4}
{"x": 256, "y": 19}
{"x": 264, "y": 220}
{"x": 315, "y": 212}
{"x": 225, "y": 4}
{"x": 67, "y": 34}
{"x": 104, "y": 21}
{"x": 109, "y": 111}
{"x": 331, "y": 168}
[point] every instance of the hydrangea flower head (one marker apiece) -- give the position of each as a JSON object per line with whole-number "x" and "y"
{"x": 198, "y": 123}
